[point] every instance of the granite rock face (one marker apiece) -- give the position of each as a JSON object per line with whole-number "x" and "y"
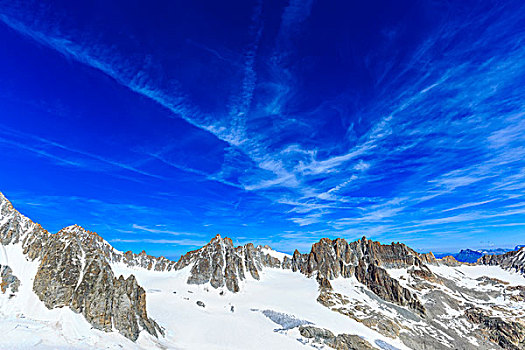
{"x": 331, "y": 259}
{"x": 75, "y": 272}
{"x": 507, "y": 334}
{"x": 449, "y": 260}
{"x": 223, "y": 265}
{"x": 351, "y": 342}
{"x": 387, "y": 288}
{"x": 367, "y": 260}
{"x": 8, "y": 280}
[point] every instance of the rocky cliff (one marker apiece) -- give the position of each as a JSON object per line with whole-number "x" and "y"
{"x": 507, "y": 334}
{"x": 222, "y": 264}
{"x": 331, "y": 259}
{"x": 513, "y": 261}
{"x": 366, "y": 260}
{"x": 8, "y": 280}
{"x": 74, "y": 271}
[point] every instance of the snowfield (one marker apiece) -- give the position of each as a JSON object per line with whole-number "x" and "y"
{"x": 173, "y": 304}
{"x": 27, "y": 324}
{"x": 263, "y": 315}
{"x": 465, "y": 274}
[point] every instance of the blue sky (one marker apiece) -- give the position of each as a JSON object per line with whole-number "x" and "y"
{"x": 160, "y": 125}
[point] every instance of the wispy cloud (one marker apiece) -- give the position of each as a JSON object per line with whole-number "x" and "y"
{"x": 441, "y": 131}
{"x": 182, "y": 242}
{"x": 241, "y": 103}
{"x": 170, "y": 232}
{"x": 115, "y": 66}
{"x": 468, "y": 205}
{"x": 72, "y": 160}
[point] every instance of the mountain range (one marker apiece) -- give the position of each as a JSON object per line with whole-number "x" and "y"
{"x": 72, "y": 289}
{"x": 472, "y": 255}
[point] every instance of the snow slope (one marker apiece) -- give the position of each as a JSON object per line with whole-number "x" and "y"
{"x": 257, "y": 317}
{"x": 227, "y": 320}
{"x": 3, "y": 256}
{"x": 173, "y": 304}
{"x": 26, "y": 323}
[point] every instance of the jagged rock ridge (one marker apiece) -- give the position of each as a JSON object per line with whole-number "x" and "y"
{"x": 74, "y": 271}
{"x": 222, "y": 264}
{"x": 513, "y": 260}
{"x": 366, "y": 260}
{"x": 508, "y": 335}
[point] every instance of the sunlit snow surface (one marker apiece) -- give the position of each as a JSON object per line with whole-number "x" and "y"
{"x": 215, "y": 326}
{"x": 227, "y": 320}
{"x": 25, "y": 322}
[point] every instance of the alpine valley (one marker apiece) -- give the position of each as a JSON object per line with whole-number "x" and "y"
{"x": 73, "y": 290}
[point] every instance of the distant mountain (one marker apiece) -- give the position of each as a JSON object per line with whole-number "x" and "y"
{"x": 471, "y": 256}
{"x": 74, "y": 290}
{"x": 496, "y": 251}
{"x": 468, "y": 255}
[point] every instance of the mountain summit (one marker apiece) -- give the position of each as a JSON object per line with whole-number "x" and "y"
{"x": 74, "y": 271}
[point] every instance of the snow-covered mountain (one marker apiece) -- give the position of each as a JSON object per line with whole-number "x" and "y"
{"x": 72, "y": 289}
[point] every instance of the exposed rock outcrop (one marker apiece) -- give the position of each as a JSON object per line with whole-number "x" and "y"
{"x": 339, "y": 342}
{"x": 366, "y": 260}
{"x": 423, "y": 272}
{"x": 507, "y": 334}
{"x": 512, "y": 261}
{"x": 8, "y": 280}
{"x": 75, "y": 272}
{"x": 316, "y": 333}
{"x": 351, "y": 342}
{"x": 449, "y": 260}
{"x": 386, "y": 287}
{"x": 332, "y": 259}
{"x": 223, "y": 265}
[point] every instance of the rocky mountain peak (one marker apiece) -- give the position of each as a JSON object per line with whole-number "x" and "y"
{"x": 367, "y": 261}
{"x": 449, "y": 260}
{"x": 4, "y": 200}
{"x": 89, "y": 240}
{"x": 80, "y": 233}
{"x": 428, "y": 258}
{"x": 75, "y": 272}
{"x": 222, "y": 264}
{"x": 334, "y": 258}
